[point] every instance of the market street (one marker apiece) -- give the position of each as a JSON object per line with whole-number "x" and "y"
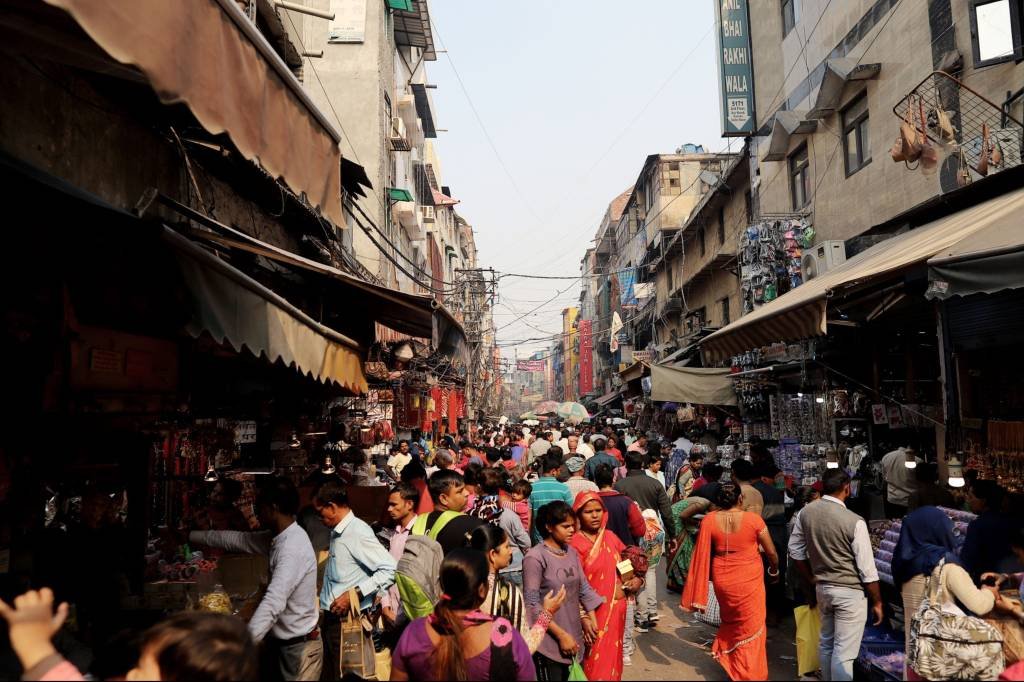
{"x": 533, "y": 341}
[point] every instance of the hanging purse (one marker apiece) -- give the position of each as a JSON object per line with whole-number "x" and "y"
{"x": 929, "y": 154}
{"x": 982, "y": 166}
{"x": 908, "y": 147}
{"x": 375, "y": 367}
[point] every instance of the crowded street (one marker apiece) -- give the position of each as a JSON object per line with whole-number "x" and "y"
{"x": 535, "y": 341}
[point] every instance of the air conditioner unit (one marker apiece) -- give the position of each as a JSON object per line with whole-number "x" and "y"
{"x": 822, "y": 257}
{"x": 428, "y": 214}
{"x": 399, "y": 141}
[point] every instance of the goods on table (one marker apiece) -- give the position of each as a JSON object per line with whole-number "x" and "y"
{"x": 216, "y": 601}
{"x": 885, "y": 535}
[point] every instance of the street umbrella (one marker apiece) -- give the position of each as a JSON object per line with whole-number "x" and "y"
{"x": 547, "y": 407}
{"x": 531, "y": 422}
{"x": 574, "y": 413}
{"x": 528, "y": 415}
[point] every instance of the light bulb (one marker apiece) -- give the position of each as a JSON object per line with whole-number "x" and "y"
{"x": 211, "y": 475}
{"x": 799, "y": 395}
{"x": 296, "y": 443}
{"x": 831, "y": 465}
{"x": 328, "y": 467}
{"x": 957, "y": 482}
{"x": 911, "y": 460}
{"x": 956, "y": 472}
{"x": 819, "y": 400}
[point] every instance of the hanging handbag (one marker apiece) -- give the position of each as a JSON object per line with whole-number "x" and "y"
{"x": 983, "y": 158}
{"x": 929, "y": 154}
{"x": 907, "y": 147}
{"x": 947, "y": 644}
{"x": 375, "y": 367}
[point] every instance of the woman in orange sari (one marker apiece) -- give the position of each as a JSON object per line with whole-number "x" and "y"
{"x": 600, "y": 551}
{"x": 728, "y": 554}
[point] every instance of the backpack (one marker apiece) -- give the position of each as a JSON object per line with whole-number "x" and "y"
{"x": 418, "y": 574}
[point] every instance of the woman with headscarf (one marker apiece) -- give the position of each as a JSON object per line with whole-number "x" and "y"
{"x": 926, "y": 548}
{"x": 601, "y": 551}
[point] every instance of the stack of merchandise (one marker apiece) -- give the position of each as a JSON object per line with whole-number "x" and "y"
{"x": 770, "y": 259}
{"x": 800, "y": 417}
{"x": 799, "y": 461}
{"x": 885, "y": 535}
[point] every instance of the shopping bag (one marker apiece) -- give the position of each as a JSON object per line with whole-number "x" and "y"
{"x": 576, "y": 673}
{"x": 808, "y": 634}
{"x": 356, "y": 652}
{"x": 711, "y": 615}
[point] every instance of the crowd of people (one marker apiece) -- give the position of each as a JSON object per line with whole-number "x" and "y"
{"x": 526, "y": 555}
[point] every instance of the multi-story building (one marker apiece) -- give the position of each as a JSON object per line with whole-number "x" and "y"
{"x": 570, "y": 353}
{"x": 832, "y": 81}
{"x": 367, "y": 66}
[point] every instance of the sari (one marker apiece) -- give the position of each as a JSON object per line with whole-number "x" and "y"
{"x": 600, "y": 559}
{"x": 679, "y": 562}
{"x": 732, "y": 563}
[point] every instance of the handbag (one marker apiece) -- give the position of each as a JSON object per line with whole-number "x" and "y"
{"x": 711, "y": 615}
{"x": 808, "y": 636}
{"x": 356, "y": 653}
{"x": 947, "y": 644}
{"x": 375, "y": 367}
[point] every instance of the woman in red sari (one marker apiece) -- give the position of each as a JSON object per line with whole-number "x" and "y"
{"x": 728, "y": 553}
{"x": 600, "y": 551}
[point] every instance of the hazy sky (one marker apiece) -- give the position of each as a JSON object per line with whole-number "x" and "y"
{"x": 569, "y": 93}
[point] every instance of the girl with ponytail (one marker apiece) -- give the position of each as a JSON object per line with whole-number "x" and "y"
{"x": 458, "y": 641}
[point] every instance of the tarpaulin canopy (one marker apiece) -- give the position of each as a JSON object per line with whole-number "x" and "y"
{"x": 698, "y": 385}
{"x": 800, "y": 313}
{"x": 209, "y": 56}
{"x": 236, "y": 309}
{"x": 608, "y": 397}
{"x": 988, "y": 261}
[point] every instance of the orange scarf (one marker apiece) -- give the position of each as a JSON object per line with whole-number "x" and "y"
{"x": 695, "y": 594}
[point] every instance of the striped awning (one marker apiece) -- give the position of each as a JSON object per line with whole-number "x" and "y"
{"x": 800, "y": 313}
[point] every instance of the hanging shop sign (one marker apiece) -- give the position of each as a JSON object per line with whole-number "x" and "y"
{"x": 349, "y": 23}
{"x": 586, "y": 356}
{"x": 530, "y": 365}
{"x": 643, "y": 356}
{"x": 735, "y": 74}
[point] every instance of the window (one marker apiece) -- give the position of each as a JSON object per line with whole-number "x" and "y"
{"x": 695, "y": 320}
{"x": 856, "y": 142}
{"x": 726, "y": 317}
{"x": 790, "y": 15}
{"x": 721, "y": 225}
{"x": 996, "y": 31}
{"x": 668, "y": 271}
{"x": 799, "y": 178}
{"x": 701, "y": 245}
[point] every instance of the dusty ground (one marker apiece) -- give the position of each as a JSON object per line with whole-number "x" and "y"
{"x": 679, "y": 648}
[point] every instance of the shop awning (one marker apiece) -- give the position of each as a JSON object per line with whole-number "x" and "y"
{"x": 634, "y": 371}
{"x": 987, "y": 262}
{"x": 697, "y": 385}
{"x": 608, "y": 397}
{"x": 207, "y": 55}
{"x": 236, "y": 309}
{"x": 800, "y": 313}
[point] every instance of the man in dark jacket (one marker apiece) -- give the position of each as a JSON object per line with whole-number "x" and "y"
{"x": 624, "y": 518}
{"x": 647, "y": 492}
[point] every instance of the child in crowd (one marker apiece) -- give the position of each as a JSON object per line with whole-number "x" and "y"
{"x": 521, "y": 491}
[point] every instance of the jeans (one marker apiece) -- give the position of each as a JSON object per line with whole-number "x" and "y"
{"x": 514, "y": 577}
{"x": 647, "y": 599}
{"x": 627, "y": 637}
{"x": 844, "y": 612}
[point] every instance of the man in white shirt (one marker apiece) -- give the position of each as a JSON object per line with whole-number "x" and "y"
{"x": 540, "y": 446}
{"x": 572, "y": 445}
{"x": 286, "y": 618}
{"x": 900, "y": 480}
{"x": 832, "y": 550}
{"x": 400, "y": 456}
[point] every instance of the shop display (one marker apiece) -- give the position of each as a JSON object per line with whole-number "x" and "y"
{"x": 885, "y": 534}
{"x": 770, "y": 257}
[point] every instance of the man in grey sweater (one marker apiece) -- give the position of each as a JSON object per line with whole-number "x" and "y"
{"x": 832, "y": 550}
{"x": 647, "y": 492}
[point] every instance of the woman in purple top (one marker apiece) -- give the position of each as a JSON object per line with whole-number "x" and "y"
{"x": 458, "y": 641}
{"x": 547, "y": 567}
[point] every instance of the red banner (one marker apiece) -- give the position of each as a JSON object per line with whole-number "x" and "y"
{"x": 586, "y": 357}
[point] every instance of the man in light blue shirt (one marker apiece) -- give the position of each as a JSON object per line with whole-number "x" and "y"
{"x": 356, "y": 560}
{"x": 286, "y": 618}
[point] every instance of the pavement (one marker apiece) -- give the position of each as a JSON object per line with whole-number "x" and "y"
{"x": 680, "y": 648}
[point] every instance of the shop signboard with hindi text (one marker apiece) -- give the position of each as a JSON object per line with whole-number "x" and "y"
{"x": 735, "y": 71}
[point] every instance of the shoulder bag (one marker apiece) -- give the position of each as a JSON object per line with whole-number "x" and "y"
{"x": 947, "y": 644}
